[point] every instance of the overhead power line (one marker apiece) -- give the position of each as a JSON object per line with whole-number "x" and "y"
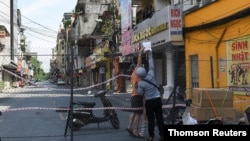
{"x": 39, "y": 24}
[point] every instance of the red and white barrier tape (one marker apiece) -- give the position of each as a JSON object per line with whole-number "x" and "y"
{"x": 50, "y": 88}
{"x": 66, "y": 109}
{"x": 85, "y": 88}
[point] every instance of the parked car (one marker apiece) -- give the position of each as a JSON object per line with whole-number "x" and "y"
{"x": 60, "y": 82}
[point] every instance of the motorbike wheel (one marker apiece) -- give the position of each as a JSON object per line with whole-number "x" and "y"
{"x": 173, "y": 116}
{"x": 115, "y": 122}
{"x": 74, "y": 127}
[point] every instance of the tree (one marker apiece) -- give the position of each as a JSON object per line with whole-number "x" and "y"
{"x": 38, "y": 71}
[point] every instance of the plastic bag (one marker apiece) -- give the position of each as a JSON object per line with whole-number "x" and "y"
{"x": 187, "y": 119}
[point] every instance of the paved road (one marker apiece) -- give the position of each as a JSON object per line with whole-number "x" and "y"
{"x": 29, "y": 114}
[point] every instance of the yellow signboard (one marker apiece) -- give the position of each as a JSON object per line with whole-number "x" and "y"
{"x": 238, "y": 57}
{"x": 99, "y": 53}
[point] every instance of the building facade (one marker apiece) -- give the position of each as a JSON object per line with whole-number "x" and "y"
{"x": 11, "y": 54}
{"x": 217, "y": 49}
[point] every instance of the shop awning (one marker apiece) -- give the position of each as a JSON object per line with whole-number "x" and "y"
{"x": 11, "y": 66}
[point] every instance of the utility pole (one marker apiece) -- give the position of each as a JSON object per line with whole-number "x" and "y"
{"x": 0, "y": 115}
{"x": 11, "y": 31}
{"x": 113, "y": 37}
{"x": 114, "y": 27}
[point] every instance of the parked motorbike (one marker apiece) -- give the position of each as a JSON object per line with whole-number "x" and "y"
{"x": 173, "y": 115}
{"x": 84, "y": 114}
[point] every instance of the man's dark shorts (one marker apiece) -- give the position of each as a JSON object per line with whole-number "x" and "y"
{"x": 137, "y": 102}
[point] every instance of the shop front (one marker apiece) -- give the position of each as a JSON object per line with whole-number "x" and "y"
{"x": 164, "y": 31}
{"x": 8, "y": 77}
{"x": 90, "y": 64}
{"x": 104, "y": 68}
{"x": 219, "y": 49}
{"x": 97, "y": 69}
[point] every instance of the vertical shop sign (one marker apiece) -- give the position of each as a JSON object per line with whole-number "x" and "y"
{"x": 175, "y": 23}
{"x": 238, "y": 56}
{"x": 126, "y": 26}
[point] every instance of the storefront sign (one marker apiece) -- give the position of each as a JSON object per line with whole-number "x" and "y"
{"x": 126, "y": 25}
{"x": 238, "y": 56}
{"x": 175, "y": 23}
{"x": 149, "y": 32}
{"x": 99, "y": 54}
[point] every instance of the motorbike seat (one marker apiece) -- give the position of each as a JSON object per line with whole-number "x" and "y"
{"x": 87, "y": 104}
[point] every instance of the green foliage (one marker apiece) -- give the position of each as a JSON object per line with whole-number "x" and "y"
{"x": 107, "y": 28}
{"x": 23, "y": 48}
{"x": 67, "y": 23}
{"x": 38, "y": 71}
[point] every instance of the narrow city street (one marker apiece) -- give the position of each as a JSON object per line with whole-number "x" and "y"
{"x": 192, "y": 57}
{"x": 33, "y": 114}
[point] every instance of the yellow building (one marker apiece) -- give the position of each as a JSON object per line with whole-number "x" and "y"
{"x": 217, "y": 45}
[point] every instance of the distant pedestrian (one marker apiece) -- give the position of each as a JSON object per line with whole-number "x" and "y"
{"x": 153, "y": 103}
{"x": 118, "y": 72}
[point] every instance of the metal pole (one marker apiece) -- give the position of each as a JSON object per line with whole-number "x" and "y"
{"x": 217, "y": 58}
{"x": 212, "y": 74}
{"x": 114, "y": 27}
{"x": 11, "y": 30}
{"x": 71, "y": 90}
{"x": 0, "y": 115}
{"x": 70, "y": 112}
{"x": 175, "y": 85}
{"x": 113, "y": 38}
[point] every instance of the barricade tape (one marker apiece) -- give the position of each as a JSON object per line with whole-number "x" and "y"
{"x": 40, "y": 95}
{"x": 94, "y": 108}
{"x": 84, "y": 88}
{"x": 75, "y": 89}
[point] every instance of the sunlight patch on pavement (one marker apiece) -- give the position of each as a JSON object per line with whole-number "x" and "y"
{"x": 2, "y": 108}
{"x": 40, "y": 95}
{"x": 62, "y": 116}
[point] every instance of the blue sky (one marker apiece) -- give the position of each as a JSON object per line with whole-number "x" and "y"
{"x": 40, "y": 14}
